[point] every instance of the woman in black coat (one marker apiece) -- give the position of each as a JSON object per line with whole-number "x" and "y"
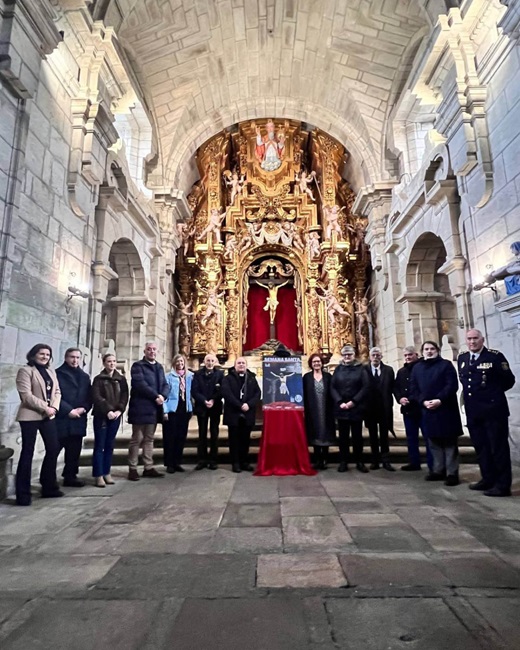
{"x": 349, "y": 391}
{"x": 433, "y": 384}
{"x": 319, "y": 415}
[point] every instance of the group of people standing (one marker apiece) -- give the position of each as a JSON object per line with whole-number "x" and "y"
{"x": 56, "y": 403}
{"x": 426, "y": 389}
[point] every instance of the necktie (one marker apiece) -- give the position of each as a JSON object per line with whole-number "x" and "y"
{"x": 473, "y": 359}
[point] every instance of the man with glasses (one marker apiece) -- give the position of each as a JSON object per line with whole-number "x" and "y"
{"x": 206, "y": 391}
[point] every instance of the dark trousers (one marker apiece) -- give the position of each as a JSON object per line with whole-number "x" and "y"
{"x": 345, "y": 429}
{"x": 72, "y": 446}
{"x": 490, "y": 437}
{"x": 105, "y": 431}
{"x": 213, "y": 418}
{"x": 175, "y": 432}
{"x": 47, "y": 429}
{"x": 412, "y": 424}
{"x": 378, "y": 432}
{"x": 239, "y": 441}
{"x": 321, "y": 454}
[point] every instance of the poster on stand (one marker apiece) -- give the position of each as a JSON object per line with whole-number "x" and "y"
{"x": 282, "y": 381}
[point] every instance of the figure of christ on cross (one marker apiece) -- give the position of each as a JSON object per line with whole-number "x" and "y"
{"x": 272, "y": 303}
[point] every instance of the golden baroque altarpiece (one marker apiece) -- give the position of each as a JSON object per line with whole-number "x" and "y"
{"x": 271, "y": 207}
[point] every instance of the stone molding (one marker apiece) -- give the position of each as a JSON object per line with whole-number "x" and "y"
{"x": 25, "y": 22}
{"x": 510, "y": 305}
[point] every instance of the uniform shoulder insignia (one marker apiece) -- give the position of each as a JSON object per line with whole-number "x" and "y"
{"x": 505, "y": 365}
{"x": 493, "y": 351}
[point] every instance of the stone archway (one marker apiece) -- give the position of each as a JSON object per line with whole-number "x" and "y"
{"x": 430, "y": 310}
{"x": 125, "y": 309}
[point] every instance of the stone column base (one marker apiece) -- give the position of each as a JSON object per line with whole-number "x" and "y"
{"x": 5, "y": 455}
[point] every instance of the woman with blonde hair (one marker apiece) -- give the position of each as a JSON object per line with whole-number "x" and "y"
{"x": 177, "y": 413}
{"x": 39, "y": 390}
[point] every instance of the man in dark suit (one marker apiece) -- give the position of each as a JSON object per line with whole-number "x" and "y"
{"x": 379, "y": 417}
{"x": 241, "y": 394}
{"x": 206, "y": 391}
{"x": 71, "y": 419}
{"x": 145, "y": 409}
{"x": 485, "y": 376}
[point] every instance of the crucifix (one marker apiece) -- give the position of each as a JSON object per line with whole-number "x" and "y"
{"x": 272, "y": 302}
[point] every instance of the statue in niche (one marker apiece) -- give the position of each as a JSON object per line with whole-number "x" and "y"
{"x": 358, "y": 230}
{"x": 231, "y": 247}
{"x": 272, "y": 298}
{"x": 269, "y": 150}
{"x": 185, "y": 233}
{"x": 215, "y": 222}
{"x": 332, "y": 220}
{"x": 364, "y": 315}
{"x": 304, "y": 180}
{"x": 510, "y": 273}
{"x": 235, "y": 183}
{"x": 213, "y": 309}
{"x": 313, "y": 245}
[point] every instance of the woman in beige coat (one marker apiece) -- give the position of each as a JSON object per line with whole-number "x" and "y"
{"x": 40, "y": 395}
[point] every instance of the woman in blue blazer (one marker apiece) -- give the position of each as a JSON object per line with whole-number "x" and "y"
{"x": 177, "y": 413}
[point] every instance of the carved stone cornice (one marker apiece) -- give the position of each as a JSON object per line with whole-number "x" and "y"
{"x": 25, "y": 21}
{"x": 510, "y": 305}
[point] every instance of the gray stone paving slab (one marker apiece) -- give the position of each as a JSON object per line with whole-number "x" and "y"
{"x": 230, "y": 624}
{"x": 182, "y": 519}
{"x": 300, "y": 486}
{"x": 248, "y": 540}
{"x": 395, "y": 624}
{"x": 477, "y": 570}
{"x": 371, "y": 519}
{"x": 505, "y": 539}
{"x": 252, "y": 514}
{"x": 307, "y": 505}
{"x": 403, "y": 569}
{"x": 388, "y": 538}
{"x": 143, "y": 541}
{"x": 500, "y": 614}
{"x": 84, "y": 625}
{"x": 42, "y": 572}
{"x": 255, "y": 490}
{"x": 346, "y": 488}
{"x": 8, "y": 606}
{"x": 153, "y": 576}
{"x": 300, "y": 570}
{"x": 315, "y": 534}
{"x": 359, "y": 505}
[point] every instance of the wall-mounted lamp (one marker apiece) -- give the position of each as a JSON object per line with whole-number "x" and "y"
{"x": 460, "y": 323}
{"x": 74, "y": 292}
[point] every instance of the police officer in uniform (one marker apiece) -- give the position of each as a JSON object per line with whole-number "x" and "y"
{"x": 485, "y": 377}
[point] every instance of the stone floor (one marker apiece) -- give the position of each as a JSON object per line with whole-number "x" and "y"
{"x": 223, "y": 561}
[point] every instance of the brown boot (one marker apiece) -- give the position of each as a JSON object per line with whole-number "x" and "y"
{"x": 132, "y": 474}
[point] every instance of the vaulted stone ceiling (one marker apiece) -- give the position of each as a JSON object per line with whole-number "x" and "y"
{"x": 206, "y": 64}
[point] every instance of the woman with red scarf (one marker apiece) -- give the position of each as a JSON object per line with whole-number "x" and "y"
{"x": 177, "y": 413}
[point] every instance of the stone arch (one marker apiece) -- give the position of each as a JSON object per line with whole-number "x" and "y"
{"x": 430, "y": 310}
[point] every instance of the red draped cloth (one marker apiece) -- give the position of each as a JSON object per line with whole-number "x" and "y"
{"x": 283, "y": 447}
{"x": 286, "y": 321}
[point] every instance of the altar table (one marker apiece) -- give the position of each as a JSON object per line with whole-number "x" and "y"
{"x": 283, "y": 447}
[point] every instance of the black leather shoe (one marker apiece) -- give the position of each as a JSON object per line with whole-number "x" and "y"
{"x": 388, "y": 467}
{"x": 152, "y": 473}
{"x": 212, "y": 465}
{"x": 236, "y": 468}
{"x": 179, "y": 468}
{"x": 200, "y": 465}
{"x": 24, "y": 501}
{"x": 246, "y": 467}
{"x": 481, "y": 486}
{"x": 52, "y": 495}
{"x": 411, "y": 468}
{"x": 432, "y": 476}
{"x": 343, "y": 467}
{"x": 170, "y": 470}
{"x": 73, "y": 482}
{"x": 374, "y": 466}
{"x": 497, "y": 492}
{"x": 361, "y": 467}
{"x": 452, "y": 480}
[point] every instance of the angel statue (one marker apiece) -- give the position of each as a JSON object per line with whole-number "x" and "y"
{"x": 235, "y": 183}
{"x": 212, "y": 306}
{"x": 333, "y": 306}
{"x": 313, "y": 245}
{"x": 331, "y": 217}
{"x": 231, "y": 247}
{"x": 215, "y": 222}
{"x": 363, "y": 313}
{"x": 185, "y": 233}
{"x": 304, "y": 181}
{"x": 358, "y": 230}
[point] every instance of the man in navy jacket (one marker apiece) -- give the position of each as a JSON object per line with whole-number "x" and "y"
{"x": 145, "y": 409}
{"x": 206, "y": 391}
{"x": 71, "y": 419}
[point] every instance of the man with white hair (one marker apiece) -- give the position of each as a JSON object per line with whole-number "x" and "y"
{"x": 206, "y": 391}
{"x": 379, "y": 417}
{"x": 485, "y": 376}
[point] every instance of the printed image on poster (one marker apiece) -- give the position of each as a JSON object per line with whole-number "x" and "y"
{"x": 282, "y": 381}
